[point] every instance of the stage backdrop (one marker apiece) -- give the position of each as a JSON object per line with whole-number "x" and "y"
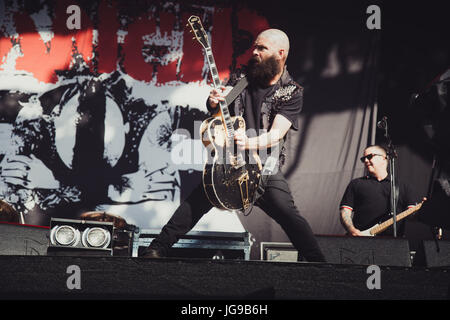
{"x": 100, "y": 104}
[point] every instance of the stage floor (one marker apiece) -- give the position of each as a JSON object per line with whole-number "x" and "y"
{"x": 105, "y": 278}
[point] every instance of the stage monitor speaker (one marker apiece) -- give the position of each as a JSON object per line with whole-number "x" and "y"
{"x": 436, "y": 253}
{"x": 381, "y": 251}
{"x": 347, "y": 250}
{"x": 19, "y": 239}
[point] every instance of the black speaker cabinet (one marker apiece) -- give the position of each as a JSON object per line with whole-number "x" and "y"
{"x": 380, "y": 251}
{"x": 436, "y": 253}
{"x": 19, "y": 239}
{"x": 348, "y": 250}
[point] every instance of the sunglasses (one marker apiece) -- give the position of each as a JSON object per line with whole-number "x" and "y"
{"x": 370, "y": 156}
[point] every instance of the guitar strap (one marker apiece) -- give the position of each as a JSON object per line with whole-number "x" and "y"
{"x": 236, "y": 91}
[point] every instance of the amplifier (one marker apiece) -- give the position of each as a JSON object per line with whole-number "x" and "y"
{"x": 200, "y": 244}
{"x": 382, "y": 251}
{"x": 278, "y": 251}
{"x": 21, "y": 239}
{"x": 436, "y": 253}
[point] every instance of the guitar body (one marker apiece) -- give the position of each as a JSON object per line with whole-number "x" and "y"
{"x": 366, "y": 233}
{"x": 228, "y": 185}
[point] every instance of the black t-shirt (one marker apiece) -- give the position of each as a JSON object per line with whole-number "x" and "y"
{"x": 257, "y": 95}
{"x": 370, "y": 201}
{"x": 259, "y": 115}
{"x": 285, "y": 98}
{"x": 291, "y": 109}
{"x": 259, "y": 106}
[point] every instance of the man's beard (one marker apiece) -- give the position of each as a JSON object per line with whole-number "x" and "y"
{"x": 263, "y": 72}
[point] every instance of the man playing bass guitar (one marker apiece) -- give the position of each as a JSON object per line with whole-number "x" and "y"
{"x": 366, "y": 200}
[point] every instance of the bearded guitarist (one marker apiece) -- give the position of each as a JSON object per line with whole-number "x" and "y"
{"x": 366, "y": 201}
{"x": 270, "y": 106}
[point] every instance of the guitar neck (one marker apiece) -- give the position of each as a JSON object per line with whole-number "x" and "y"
{"x": 386, "y": 224}
{"x": 217, "y": 84}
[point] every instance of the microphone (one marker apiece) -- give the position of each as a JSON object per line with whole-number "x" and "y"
{"x": 382, "y": 123}
{"x": 413, "y": 98}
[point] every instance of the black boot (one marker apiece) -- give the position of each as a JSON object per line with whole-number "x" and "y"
{"x": 153, "y": 253}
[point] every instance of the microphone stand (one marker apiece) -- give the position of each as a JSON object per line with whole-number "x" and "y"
{"x": 392, "y": 155}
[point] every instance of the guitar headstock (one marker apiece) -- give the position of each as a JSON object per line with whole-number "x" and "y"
{"x": 199, "y": 32}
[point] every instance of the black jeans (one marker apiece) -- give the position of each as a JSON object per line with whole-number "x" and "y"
{"x": 276, "y": 201}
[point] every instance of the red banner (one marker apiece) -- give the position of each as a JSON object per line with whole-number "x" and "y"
{"x": 91, "y": 95}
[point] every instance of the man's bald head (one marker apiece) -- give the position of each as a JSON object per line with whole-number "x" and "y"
{"x": 270, "y": 51}
{"x": 278, "y": 38}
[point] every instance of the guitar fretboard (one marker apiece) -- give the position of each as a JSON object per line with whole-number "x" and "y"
{"x": 383, "y": 226}
{"x": 223, "y": 105}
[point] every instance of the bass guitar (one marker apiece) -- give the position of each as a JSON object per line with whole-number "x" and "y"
{"x": 230, "y": 176}
{"x": 380, "y": 227}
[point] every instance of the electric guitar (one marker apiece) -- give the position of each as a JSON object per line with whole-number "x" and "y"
{"x": 380, "y": 227}
{"x": 230, "y": 176}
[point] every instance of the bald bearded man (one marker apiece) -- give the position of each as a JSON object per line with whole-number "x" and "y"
{"x": 270, "y": 106}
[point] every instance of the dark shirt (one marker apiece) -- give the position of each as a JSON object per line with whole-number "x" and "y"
{"x": 257, "y": 97}
{"x": 259, "y": 106}
{"x": 370, "y": 201}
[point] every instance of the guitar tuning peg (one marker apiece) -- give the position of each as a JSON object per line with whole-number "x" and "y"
{"x": 193, "y": 38}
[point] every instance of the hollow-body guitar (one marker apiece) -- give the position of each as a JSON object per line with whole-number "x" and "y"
{"x": 230, "y": 176}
